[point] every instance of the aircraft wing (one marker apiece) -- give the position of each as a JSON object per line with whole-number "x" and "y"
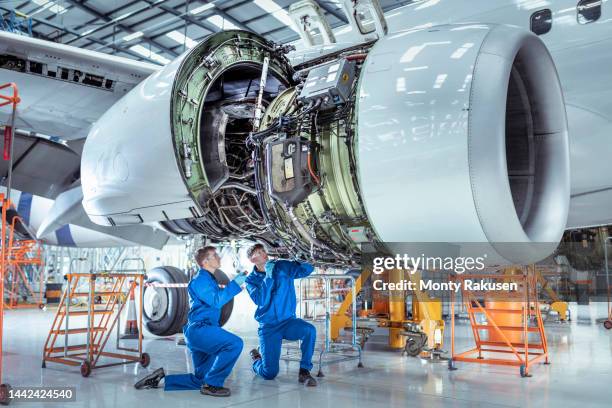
{"x": 42, "y": 166}
{"x": 63, "y": 91}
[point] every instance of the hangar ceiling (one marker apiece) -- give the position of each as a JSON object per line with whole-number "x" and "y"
{"x": 159, "y": 30}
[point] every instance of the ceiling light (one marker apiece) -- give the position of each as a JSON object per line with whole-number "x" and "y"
{"x": 277, "y": 12}
{"x": 147, "y": 53}
{"x": 221, "y": 22}
{"x": 202, "y": 8}
{"x": 133, "y": 36}
{"x": 57, "y": 9}
{"x": 50, "y": 5}
{"x": 182, "y": 39}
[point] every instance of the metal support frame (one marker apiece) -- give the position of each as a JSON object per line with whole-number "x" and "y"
{"x": 97, "y": 332}
{"x": 329, "y": 346}
{"x": 11, "y": 100}
{"x": 607, "y": 322}
{"x": 523, "y": 352}
{"x": 20, "y": 254}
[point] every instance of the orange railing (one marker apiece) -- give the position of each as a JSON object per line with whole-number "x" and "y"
{"x": 11, "y": 99}
{"x": 94, "y": 321}
{"x": 508, "y": 324}
{"x": 21, "y": 254}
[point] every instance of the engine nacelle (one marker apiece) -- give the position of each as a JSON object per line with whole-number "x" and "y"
{"x": 463, "y": 138}
{"x": 449, "y": 134}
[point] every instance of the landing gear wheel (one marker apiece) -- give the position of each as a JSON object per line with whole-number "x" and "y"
{"x": 320, "y": 374}
{"x": 523, "y": 371}
{"x": 5, "y": 394}
{"x": 145, "y": 360}
{"x": 360, "y": 365}
{"x": 608, "y": 324}
{"x": 165, "y": 309}
{"x": 451, "y": 365}
{"x": 85, "y": 368}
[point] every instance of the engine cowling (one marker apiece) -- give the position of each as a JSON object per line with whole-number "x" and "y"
{"x": 450, "y": 134}
{"x": 463, "y": 138}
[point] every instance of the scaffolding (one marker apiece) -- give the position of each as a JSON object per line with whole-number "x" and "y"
{"x": 511, "y": 325}
{"x": 11, "y": 100}
{"x": 24, "y": 283}
{"x": 16, "y": 23}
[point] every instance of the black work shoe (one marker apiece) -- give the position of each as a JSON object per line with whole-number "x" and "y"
{"x": 255, "y": 355}
{"x": 150, "y": 381}
{"x": 305, "y": 377}
{"x": 215, "y": 391}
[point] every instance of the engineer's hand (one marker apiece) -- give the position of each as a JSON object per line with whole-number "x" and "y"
{"x": 240, "y": 279}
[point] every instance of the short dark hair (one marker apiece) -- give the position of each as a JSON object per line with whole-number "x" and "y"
{"x": 203, "y": 253}
{"x": 254, "y": 248}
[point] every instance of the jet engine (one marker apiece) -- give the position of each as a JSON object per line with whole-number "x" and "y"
{"x": 454, "y": 133}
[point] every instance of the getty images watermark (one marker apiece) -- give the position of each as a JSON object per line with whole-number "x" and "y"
{"x": 412, "y": 264}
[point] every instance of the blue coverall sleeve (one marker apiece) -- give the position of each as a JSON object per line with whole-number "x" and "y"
{"x": 295, "y": 269}
{"x": 257, "y": 292}
{"x": 210, "y": 293}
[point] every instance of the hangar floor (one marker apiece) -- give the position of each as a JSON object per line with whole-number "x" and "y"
{"x": 580, "y": 373}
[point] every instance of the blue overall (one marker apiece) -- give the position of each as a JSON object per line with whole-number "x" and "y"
{"x": 273, "y": 292}
{"x": 214, "y": 351}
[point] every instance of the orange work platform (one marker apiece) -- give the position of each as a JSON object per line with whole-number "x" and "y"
{"x": 507, "y": 325}
{"x": 81, "y": 319}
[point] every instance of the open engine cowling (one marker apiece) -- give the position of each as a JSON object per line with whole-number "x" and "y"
{"x": 449, "y": 134}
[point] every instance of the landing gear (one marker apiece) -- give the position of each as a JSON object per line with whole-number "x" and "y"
{"x": 608, "y": 324}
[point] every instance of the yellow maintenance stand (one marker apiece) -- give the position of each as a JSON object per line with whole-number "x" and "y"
{"x": 422, "y": 335}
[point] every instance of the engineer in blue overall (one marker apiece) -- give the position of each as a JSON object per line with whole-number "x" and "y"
{"x": 271, "y": 287}
{"x": 214, "y": 351}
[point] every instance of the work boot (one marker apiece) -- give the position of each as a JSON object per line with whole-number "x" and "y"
{"x": 255, "y": 355}
{"x": 150, "y": 381}
{"x": 215, "y": 391}
{"x": 305, "y": 377}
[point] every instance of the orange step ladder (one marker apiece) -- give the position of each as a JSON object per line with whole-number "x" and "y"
{"x": 101, "y": 309}
{"x": 513, "y": 323}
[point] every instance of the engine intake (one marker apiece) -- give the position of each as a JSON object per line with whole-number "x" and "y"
{"x": 465, "y": 134}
